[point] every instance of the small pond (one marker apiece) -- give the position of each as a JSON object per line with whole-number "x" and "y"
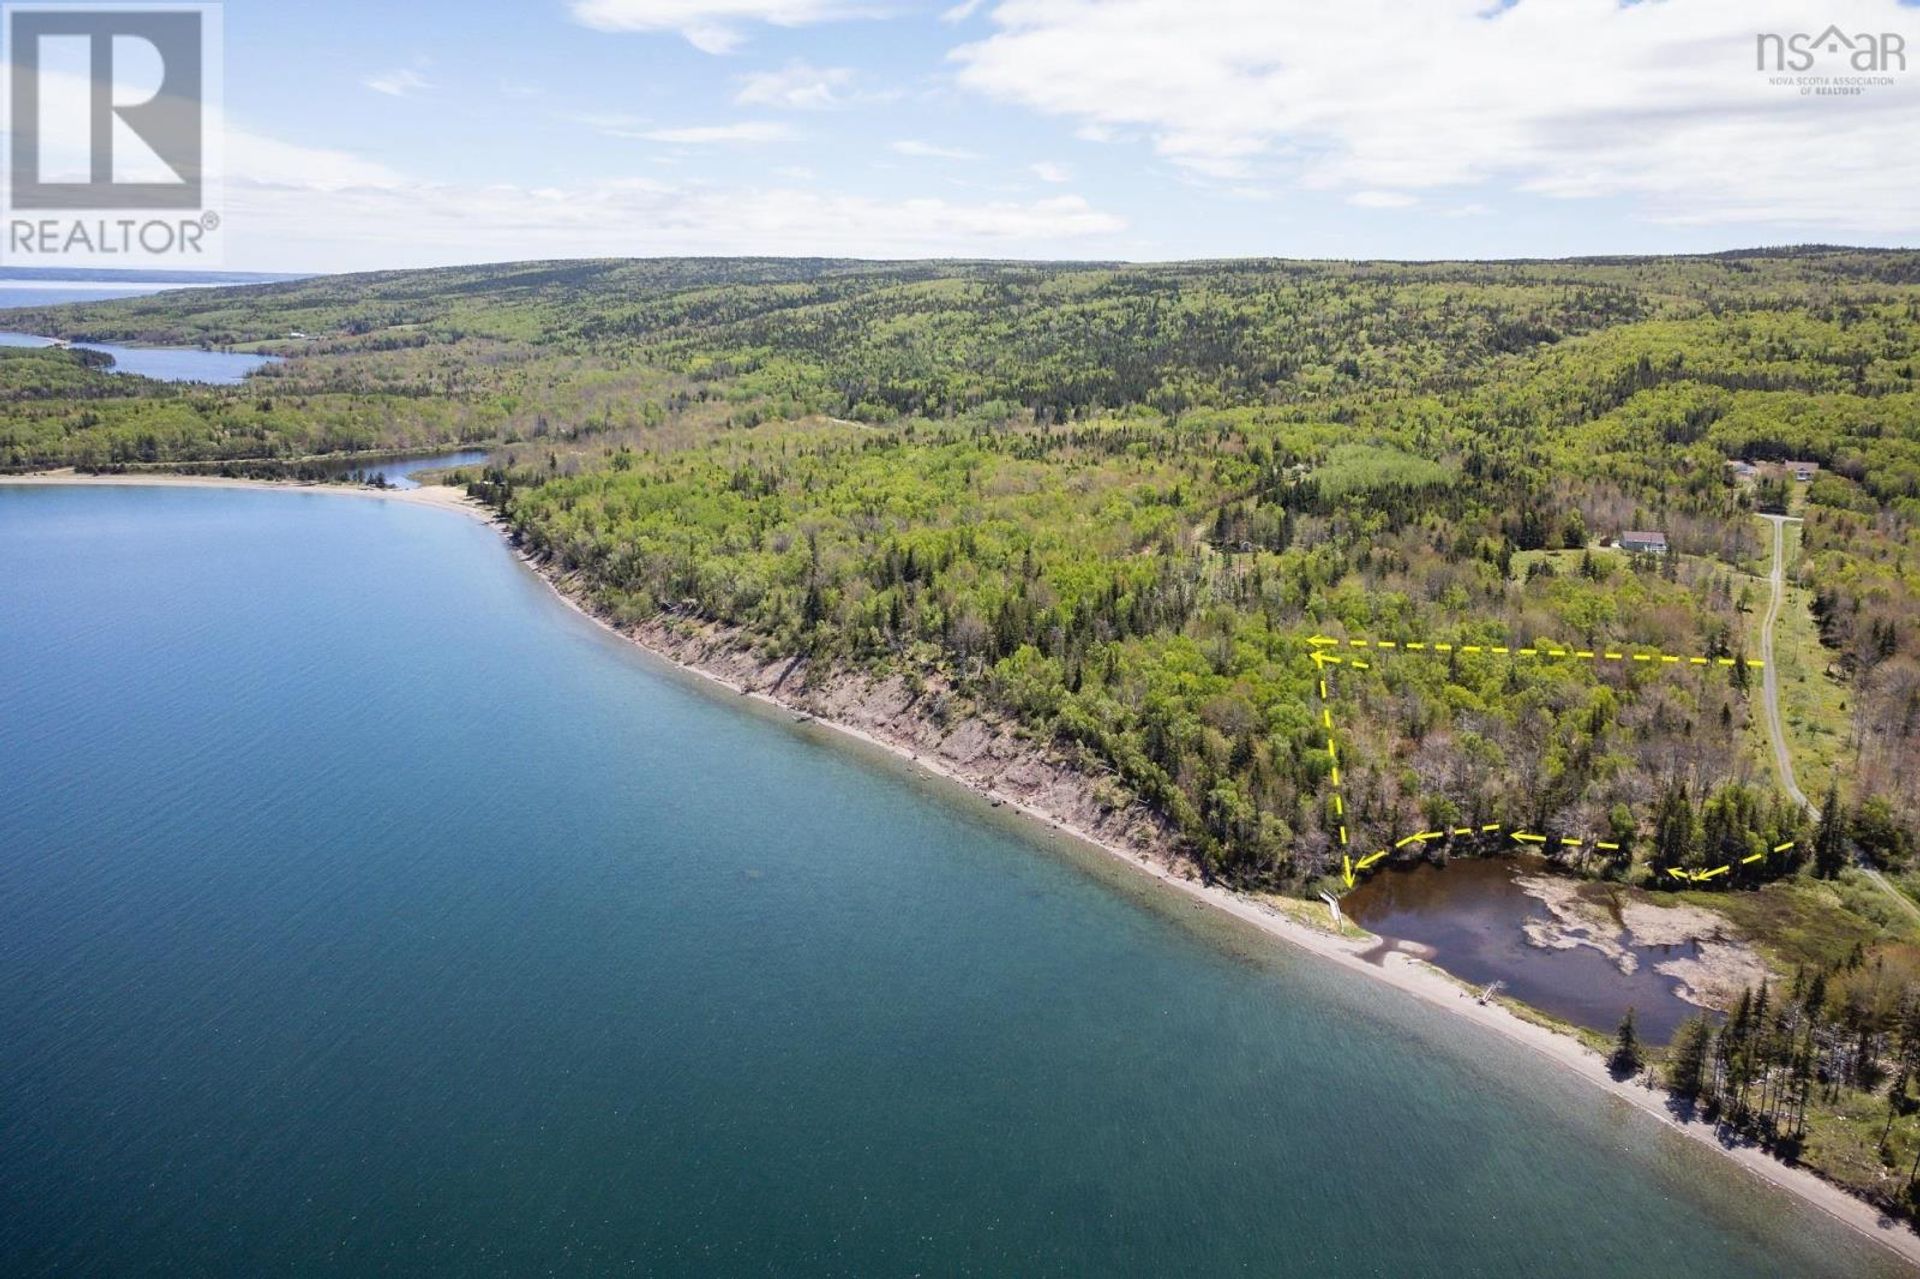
{"x": 1472, "y": 917}
{"x": 398, "y": 472}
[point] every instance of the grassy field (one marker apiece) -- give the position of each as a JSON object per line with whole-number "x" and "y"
{"x": 1813, "y": 923}
{"x": 1561, "y": 562}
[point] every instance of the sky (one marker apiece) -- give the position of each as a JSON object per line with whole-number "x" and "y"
{"x": 363, "y": 134}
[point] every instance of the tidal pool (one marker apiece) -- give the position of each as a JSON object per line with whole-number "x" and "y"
{"x": 1472, "y": 916}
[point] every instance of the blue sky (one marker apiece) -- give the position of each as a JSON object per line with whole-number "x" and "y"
{"x": 366, "y": 134}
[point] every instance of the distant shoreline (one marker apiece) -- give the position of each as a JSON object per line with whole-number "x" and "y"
{"x": 711, "y": 657}
{"x": 438, "y": 496}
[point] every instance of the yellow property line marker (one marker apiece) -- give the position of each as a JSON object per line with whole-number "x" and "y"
{"x": 1351, "y": 870}
{"x": 1584, "y": 654}
{"x": 1321, "y": 661}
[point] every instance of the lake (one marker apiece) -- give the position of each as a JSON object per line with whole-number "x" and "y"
{"x": 365, "y": 910}
{"x": 166, "y": 364}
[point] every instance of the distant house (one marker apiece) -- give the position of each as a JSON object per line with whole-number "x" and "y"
{"x": 1643, "y": 543}
{"x": 1743, "y": 471}
{"x": 1789, "y": 470}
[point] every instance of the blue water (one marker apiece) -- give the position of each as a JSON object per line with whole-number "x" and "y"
{"x": 398, "y": 472}
{"x": 166, "y": 364}
{"x": 53, "y": 293}
{"x": 363, "y": 910}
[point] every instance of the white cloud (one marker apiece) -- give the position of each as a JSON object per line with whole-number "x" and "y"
{"x": 1048, "y": 171}
{"x": 291, "y": 207}
{"x": 256, "y": 160}
{"x": 797, "y": 86}
{"x": 746, "y": 131}
{"x": 712, "y": 26}
{"x": 928, "y": 151}
{"x": 961, "y": 12}
{"x": 397, "y": 84}
{"x": 1382, "y": 199}
{"x": 618, "y": 123}
{"x": 394, "y": 222}
{"x": 1657, "y": 103}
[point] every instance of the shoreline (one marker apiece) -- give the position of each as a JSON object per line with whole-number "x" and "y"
{"x": 1133, "y": 843}
{"x": 438, "y": 497}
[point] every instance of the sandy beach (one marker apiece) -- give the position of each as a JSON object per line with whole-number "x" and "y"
{"x": 1405, "y": 972}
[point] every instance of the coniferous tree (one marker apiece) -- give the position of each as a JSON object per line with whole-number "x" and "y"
{"x": 1626, "y": 1060}
{"x": 1675, "y": 835}
{"x": 1830, "y": 839}
{"x": 1687, "y": 1070}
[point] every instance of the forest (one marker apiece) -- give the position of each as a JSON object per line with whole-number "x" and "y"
{"x": 1112, "y": 500}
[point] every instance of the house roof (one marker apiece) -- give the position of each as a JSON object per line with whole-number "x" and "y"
{"x": 1651, "y": 539}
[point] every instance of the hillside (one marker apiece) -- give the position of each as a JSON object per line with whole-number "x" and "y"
{"x": 1113, "y": 500}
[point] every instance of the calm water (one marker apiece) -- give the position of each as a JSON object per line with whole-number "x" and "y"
{"x": 399, "y": 471}
{"x": 1474, "y": 915}
{"x": 53, "y": 292}
{"x": 364, "y": 911}
{"x": 164, "y": 364}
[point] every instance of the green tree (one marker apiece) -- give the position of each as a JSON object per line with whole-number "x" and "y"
{"x": 1676, "y": 835}
{"x": 1830, "y": 839}
{"x": 1879, "y": 834}
{"x": 1626, "y": 1059}
{"x": 1687, "y": 1065}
